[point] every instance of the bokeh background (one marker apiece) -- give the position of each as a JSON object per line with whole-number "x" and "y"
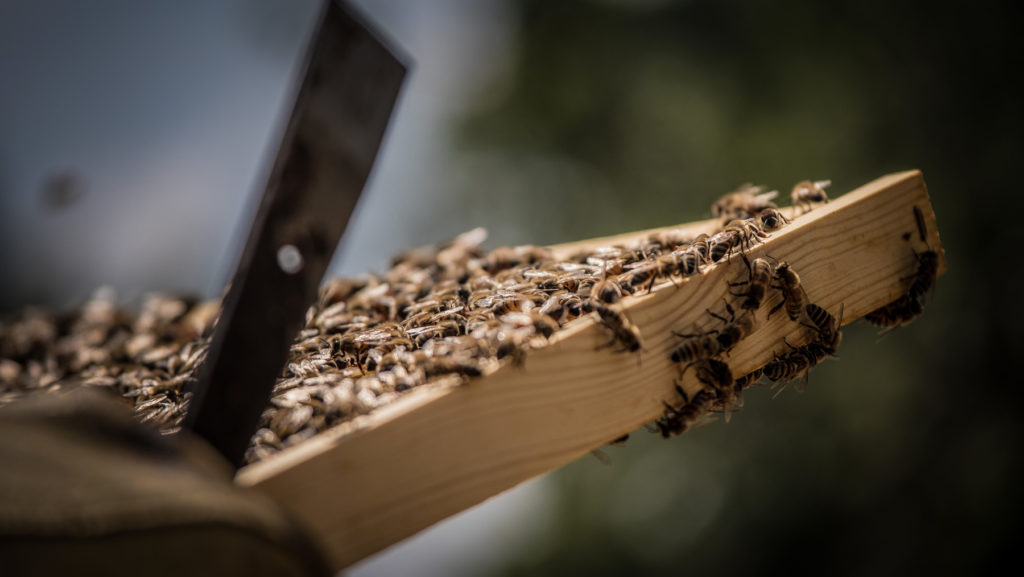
{"x": 134, "y": 137}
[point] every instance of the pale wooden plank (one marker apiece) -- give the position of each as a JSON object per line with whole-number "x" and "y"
{"x": 372, "y": 482}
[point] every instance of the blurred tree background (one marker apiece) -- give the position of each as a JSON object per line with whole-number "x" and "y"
{"x": 901, "y": 458}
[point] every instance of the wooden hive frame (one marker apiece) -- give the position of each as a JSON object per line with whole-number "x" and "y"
{"x": 378, "y": 479}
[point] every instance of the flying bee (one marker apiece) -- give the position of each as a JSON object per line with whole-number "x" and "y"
{"x": 806, "y": 193}
{"x": 794, "y": 296}
{"x": 760, "y": 273}
{"x": 623, "y": 330}
{"x": 772, "y": 219}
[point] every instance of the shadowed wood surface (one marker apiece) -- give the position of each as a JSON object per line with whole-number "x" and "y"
{"x": 369, "y": 483}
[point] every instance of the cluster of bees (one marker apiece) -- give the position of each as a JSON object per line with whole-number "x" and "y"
{"x": 440, "y": 314}
{"x": 453, "y": 312}
{"x": 911, "y": 304}
{"x": 145, "y": 358}
{"x": 704, "y": 351}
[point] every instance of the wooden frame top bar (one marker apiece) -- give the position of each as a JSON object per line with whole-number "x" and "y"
{"x": 438, "y": 450}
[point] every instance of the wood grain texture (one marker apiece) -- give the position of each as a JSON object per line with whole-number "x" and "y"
{"x": 369, "y": 483}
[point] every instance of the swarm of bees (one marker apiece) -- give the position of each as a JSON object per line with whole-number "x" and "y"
{"x": 441, "y": 314}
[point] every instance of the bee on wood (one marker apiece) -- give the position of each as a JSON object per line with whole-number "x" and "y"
{"x": 670, "y": 240}
{"x": 623, "y": 330}
{"x": 788, "y": 366}
{"x": 701, "y": 246}
{"x": 806, "y": 193}
{"x": 648, "y": 272}
{"x": 748, "y": 379}
{"x": 896, "y": 314}
{"x": 772, "y": 219}
{"x": 562, "y": 306}
{"x": 738, "y": 233}
{"x": 718, "y": 386}
{"x": 696, "y": 346}
{"x": 436, "y": 366}
{"x": 606, "y": 290}
{"x": 735, "y": 329}
{"x": 908, "y": 307}
{"x": 717, "y": 375}
{"x": 794, "y": 296}
{"x": 677, "y": 421}
{"x": 760, "y": 273}
{"x": 541, "y": 324}
{"x": 924, "y": 278}
{"x": 745, "y": 202}
{"x": 826, "y": 325}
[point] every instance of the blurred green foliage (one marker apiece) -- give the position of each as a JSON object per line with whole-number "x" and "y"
{"x": 903, "y": 456}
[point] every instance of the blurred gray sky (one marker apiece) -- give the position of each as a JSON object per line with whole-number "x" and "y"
{"x": 133, "y": 138}
{"x": 133, "y": 135}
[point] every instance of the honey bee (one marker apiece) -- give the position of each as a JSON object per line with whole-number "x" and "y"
{"x": 788, "y": 366}
{"x": 718, "y": 388}
{"x": 695, "y": 347}
{"x": 896, "y": 314}
{"x": 677, "y": 421}
{"x": 623, "y": 331}
{"x": 501, "y": 258}
{"x": 735, "y": 329}
{"x": 927, "y": 272}
{"x": 437, "y": 366}
{"x": 908, "y": 307}
{"x": 606, "y": 290}
{"x": 806, "y": 193}
{"x": 701, "y": 246}
{"x": 826, "y": 325}
{"x": 562, "y": 306}
{"x": 717, "y": 375}
{"x": 748, "y": 379}
{"x": 794, "y": 296}
{"x": 745, "y": 202}
{"x": 648, "y": 272}
{"x": 738, "y": 233}
{"x": 669, "y": 240}
{"x": 760, "y": 274}
{"x": 772, "y": 219}
{"x": 540, "y": 323}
